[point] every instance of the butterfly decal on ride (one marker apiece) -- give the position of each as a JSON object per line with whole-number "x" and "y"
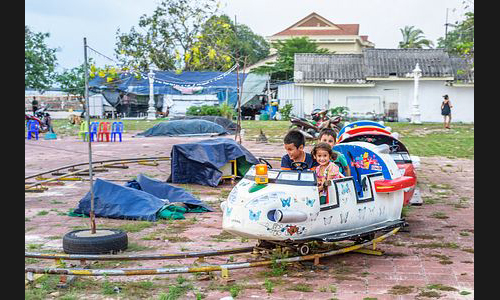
{"x": 344, "y": 188}
{"x": 361, "y": 213}
{"x": 328, "y": 220}
{"x": 344, "y": 220}
{"x": 228, "y": 211}
{"x": 310, "y": 202}
{"x": 286, "y": 202}
{"x": 254, "y": 216}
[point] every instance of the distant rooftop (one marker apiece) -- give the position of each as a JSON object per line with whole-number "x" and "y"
{"x": 379, "y": 63}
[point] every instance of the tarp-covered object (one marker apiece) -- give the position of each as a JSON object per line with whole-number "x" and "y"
{"x": 185, "y": 128}
{"x": 141, "y": 202}
{"x": 229, "y": 125}
{"x": 199, "y": 162}
{"x": 164, "y": 190}
{"x": 119, "y": 202}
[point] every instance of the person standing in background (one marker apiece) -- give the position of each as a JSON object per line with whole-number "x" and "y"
{"x": 446, "y": 111}
{"x": 34, "y": 105}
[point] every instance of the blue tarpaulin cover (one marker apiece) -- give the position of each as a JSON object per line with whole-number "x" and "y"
{"x": 174, "y": 194}
{"x": 122, "y": 202}
{"x": 167, "y": 79}
{"x": 199, "y": 162}
{"x": 185, "y": 128}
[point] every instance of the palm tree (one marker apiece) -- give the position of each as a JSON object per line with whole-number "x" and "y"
{"x": 413, "y": 38}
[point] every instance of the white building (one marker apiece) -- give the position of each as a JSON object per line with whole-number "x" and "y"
{"x": 379, "y": 81}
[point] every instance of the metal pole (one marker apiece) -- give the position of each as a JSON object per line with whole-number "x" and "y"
{"x": 238, "y": 122}
{"x": 87, "y": 117}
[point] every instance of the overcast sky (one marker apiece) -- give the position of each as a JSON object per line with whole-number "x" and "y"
{"x": 68, "y": 22}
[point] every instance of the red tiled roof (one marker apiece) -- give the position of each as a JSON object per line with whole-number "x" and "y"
{"x": 344, "y": 29}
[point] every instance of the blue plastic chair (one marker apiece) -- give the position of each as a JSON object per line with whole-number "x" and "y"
{"x": 92, "y": 132}
{"x": 116, "y": 129}
{"x": 33, "y": 128}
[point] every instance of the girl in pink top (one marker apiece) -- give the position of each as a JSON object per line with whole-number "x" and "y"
{"x": 327, "y": 169}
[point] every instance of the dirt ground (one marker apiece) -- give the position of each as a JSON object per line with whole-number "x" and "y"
{"x": 433, "y": 257}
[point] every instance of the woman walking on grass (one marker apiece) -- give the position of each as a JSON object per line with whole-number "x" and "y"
{"x": 446, "y": 111}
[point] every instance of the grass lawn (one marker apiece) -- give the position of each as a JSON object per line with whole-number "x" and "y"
{"x": 428, "y": 139}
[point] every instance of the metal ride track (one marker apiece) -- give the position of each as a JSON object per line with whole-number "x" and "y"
{"x": 97, "y": 166}
{"x": 224, "y": 268}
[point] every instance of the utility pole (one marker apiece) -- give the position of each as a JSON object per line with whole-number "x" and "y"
{"x": 238, "y": 93}
{"x": 87, "y": 117}
{"x": 446, "y": 29}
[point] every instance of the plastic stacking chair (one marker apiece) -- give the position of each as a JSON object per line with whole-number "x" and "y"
{"x": 116, "y": 129}
{"x": 92, "y": 132}
{"x": 84, "y": 128}
{"x": 33, "y": 128}
{"x": 104, "y": 130}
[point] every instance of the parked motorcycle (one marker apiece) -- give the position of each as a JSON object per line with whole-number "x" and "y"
{"x": 43, "y": 118}
{"x": 320, "y": 120}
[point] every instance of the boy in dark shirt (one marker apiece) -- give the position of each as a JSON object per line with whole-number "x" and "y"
{"x": 294, "y": 143}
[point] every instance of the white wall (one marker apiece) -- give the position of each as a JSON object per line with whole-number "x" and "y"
{"x": 430, "y": 98}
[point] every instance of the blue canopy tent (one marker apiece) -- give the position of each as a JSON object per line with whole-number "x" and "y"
{"x": 222, "y": 84}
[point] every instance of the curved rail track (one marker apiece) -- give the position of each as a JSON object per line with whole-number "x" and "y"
{"x": 193, "y": 269}
{"x": 97, "y": 166}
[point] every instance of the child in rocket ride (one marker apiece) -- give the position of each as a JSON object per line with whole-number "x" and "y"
{"x": 327, "y": 169}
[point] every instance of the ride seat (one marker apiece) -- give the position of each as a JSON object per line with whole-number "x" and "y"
{"x": 116, "y": 129}
{"x": 104, "y": 130}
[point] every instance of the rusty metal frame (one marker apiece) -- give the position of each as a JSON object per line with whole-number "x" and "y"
{"x": 224, "y": 268}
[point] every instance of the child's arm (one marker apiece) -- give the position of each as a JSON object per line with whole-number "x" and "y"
{"x": 345, "y": 166}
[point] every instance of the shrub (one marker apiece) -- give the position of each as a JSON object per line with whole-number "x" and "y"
{"x": 339, "y": 111}
{"x": 285, "y": 111}
{"x": 227, "y": 111}
{"x": 204, "y": 110}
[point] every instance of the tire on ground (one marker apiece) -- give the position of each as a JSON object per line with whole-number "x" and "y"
{"x": 112, "y": 241}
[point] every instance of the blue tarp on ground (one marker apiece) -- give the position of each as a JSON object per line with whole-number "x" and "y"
{"x": 199, "y": 162}
{"x": 122, "y": 202}
{"x": 174, "y": 194}
{"x": 184, "y": 128}
{"x": 129, "y": 84}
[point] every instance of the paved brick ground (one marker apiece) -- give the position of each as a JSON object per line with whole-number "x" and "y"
{"x": 437, "y": 248}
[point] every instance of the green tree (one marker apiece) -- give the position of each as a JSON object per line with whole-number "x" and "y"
{"x": 165, "y": 36}
{"x": 460, "y": 40}
{"x": 221, "y": 44}
{"x": 414, "y": 38}
{"x": 282, "y": 69}
{"x": 72, "y": 81}
{"x": 39, "y": 60}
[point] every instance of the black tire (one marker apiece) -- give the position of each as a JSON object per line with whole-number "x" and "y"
{"x": 106, "y": 241}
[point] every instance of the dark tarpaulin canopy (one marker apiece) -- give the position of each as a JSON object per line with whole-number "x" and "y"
{"x": 199, "y": 162}
{"x": 121, "y": 202}
{"x": 212, "y": 83}
{"x": 184, "y": 128}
